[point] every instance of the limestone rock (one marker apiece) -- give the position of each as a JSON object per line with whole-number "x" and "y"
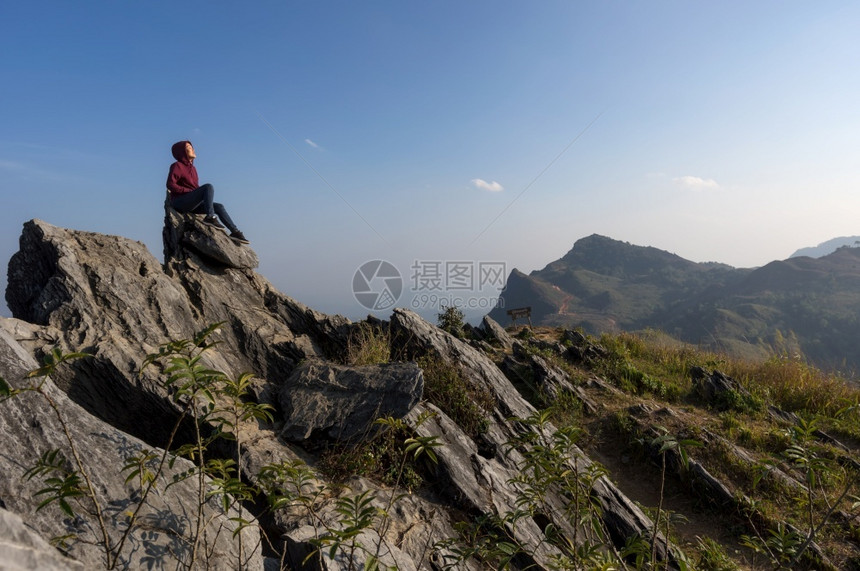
{"x": 580, "y": 349}
{"x": 714, "y": 387}
{"x": 413, "y": 335}
{"x": 185, "y": 235}
{"x": 554, "y": 382}
{"x": 300, "y": 547}
{"x": 410, "y": 538}
{"x": 21, "y": 549}
{"x": 109, "y": 296}
{"x": 341, "y": 402}
{"x": 163, "y": 535}
{"x": 496, "y": 332}
{"x": 485, "y": 483}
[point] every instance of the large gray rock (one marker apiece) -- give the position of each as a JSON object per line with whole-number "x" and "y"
{"x": 163, "y": 535}
{"x": 109, "y": 296}
{"x": 338, "y": 402}
{"x": 21, "y": 549}
{"x": 185, "y": 235}
{"x": 496, "y": 332}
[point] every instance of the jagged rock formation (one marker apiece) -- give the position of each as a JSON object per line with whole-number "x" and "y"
{"x": 110, "y": 297}
{"x": 715, "y": 386}
{"x": 496, "y": 332}
{"x": 186, "y": 238}
{"x": 32, "y": 428}
{"x": 341, "y": 402}
{"x": 23, "y": 549}
{"x": 483, "y": 471}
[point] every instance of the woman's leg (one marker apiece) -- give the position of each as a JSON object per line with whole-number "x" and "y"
{"x": 198, "y": 201}
{"x": 225, "y": 218}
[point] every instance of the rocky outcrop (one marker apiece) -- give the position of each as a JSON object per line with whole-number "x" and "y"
{"x": 109, "y": 296}
{"x": 580, "y": 349}
{"x": 716, "y": 388}
{"x": 22, "y": 549}
{"x": 548, "y": 380}
{"x": 187, "y": 238}
{"x": 495, "y": 332}
{"x": 35, "y": 424}
{"x": 484, "y": 480}
{"x": 341, "y": 403}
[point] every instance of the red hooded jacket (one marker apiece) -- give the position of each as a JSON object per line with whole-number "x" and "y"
{"x": 182, "y": 177}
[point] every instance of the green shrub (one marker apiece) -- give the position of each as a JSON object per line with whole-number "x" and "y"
{"x": 737, "y": 401}
{"x": 712, "y": 556}
{"x": 378, "y": 458}
{"x": 525, "y": 333}
{"x": 451, "y": 320}
{"x": 632, "y": 380}
{"x": 465, "y": 404}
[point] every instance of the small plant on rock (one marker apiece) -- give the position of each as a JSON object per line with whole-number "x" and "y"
{"x": 451, "y": 320}
{"x": 552, "y": 465}
{"x": 368, "y": 344}
{"x": 464, "y": 403}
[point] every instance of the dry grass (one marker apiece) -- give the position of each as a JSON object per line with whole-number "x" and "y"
{"x": 368, "y": 345}
{"x": 793, "y": 385}
{"x": 465, "y": 404}
{"x": 788, "y": 383}
{"x": 659, "y": 367}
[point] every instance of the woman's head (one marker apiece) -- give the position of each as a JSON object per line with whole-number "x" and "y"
{"x": 183, "y": 151}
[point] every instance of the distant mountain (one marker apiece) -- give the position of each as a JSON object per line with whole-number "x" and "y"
{"x": 804, "y": 304}
{"x": 828, "y": 247}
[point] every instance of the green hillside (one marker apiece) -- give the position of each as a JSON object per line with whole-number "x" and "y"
{"x": 801, "y": 305}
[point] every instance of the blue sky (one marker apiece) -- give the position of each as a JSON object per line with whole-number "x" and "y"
{"x": 481, "y": 131}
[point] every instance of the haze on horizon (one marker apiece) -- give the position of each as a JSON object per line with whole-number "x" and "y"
{"x": 496, "y": 132}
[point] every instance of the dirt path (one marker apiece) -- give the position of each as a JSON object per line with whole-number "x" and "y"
{"x": 562, "y": 310}
{"x": 639, "y": 480}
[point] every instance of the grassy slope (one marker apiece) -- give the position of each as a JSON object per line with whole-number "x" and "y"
{"x": 739, "y": 435}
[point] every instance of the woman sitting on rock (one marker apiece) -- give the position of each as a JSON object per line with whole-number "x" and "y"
{"x": 187, "y": 196}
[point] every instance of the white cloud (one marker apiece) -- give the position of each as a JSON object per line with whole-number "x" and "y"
{"x": 484, "y": 185}
{"x": 11, "y": 166}
{"x": 696, "y": 183}
{"x": 312, "y": 144}
{"x": 30, "y": 172}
